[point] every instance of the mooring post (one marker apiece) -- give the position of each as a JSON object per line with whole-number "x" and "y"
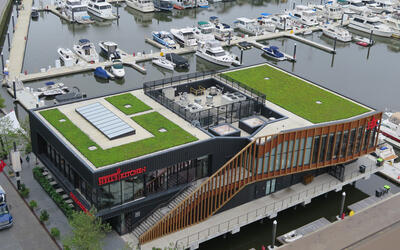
{"x": 370, "y": 37}
{"x": 13, "y": 22}
{"x": 73, "y": 17}
{"x": 241, "y": 56}
{"x": 284, "y": 24}
{"x": 342, "y": 205}
{"x": 229, "y": 38}
{"x": 274, "y": 225}
{"x": 294, "y": 5}
{"x": 117, "y": 9}
{"x": 8, "y": 40}
{"x": 341, "y": 22}
{"x": 2, "y": 62}
{"x": 294, "y": 51}
{"x": 334, "y": 44}
{"x": 15, "y": 90}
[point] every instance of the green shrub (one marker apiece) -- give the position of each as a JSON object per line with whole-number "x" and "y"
{"x": 24, "y": 191}
{"x": 44, "y": 216}
{"x": 55, "y": 233}
{"x": 33, "y": 204}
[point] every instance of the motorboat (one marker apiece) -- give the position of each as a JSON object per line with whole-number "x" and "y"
{"x": 305, "y": 15}
{"x": 110, "y": 50}
{"x": 101, "y": 9}
{"x": 370, "y": 24}
{"x": 164, "y": 63}
{"x": 86, "y": 50}
{"x": 165, "y": 5}
{"x": 164, "y": 38}
{"x": 52, "y": 89}
{"x": 222, "y": 31}
{"x": 382, "y": 6}
{"x": 249, "y": 26}
{"x": 363, "y": 41}
{"x": 76, "y": 11}
{"x": 212, "y": 51}
{"x": 291, "y": 236}
{"x": 182, "y": 4}
{"x": 390, "y": 127}
{"x": 202, "y": 3}
{"x": 117, "y": 69}
{"x": 214, "y": 19}
{"x": 282, "y": 21}
{"x": 184, "y": 36}
{"x": 179, "y": 61}
{"x": 393, "y": 22}
{"x": 34, "y": 13}
{"x": 141, "y": 5}
{"x": 357, "y": 6}
{"x": 204, "y": 31}
{"x": 333, "y": 11}
{"x": 336, "y": 32}
{"x": 100, "y": 72}
{"x": 265, "y": 23}
{"x": 67, "y": 57}
{"x": 274, "y": 53}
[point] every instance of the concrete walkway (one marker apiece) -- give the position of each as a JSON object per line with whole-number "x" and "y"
{"x": 26, "y": 233}
{"x": 364, "y": 230}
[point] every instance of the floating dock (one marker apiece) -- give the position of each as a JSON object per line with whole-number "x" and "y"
{"x": 368, "y": 202}
{"x": 307, "y": 229}
{"x": 391, "y": 172}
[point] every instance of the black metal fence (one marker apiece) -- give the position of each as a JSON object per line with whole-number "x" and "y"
{"x": 228, "y": 113}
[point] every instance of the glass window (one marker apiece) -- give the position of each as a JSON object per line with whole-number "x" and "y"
{"x": 266, "y": 162}
{"x": 330, "y": 146}
{"x": 351, "y": 142}
{"x": 315, "y": 149}
{"x": 127, "y": 189}
{"x": 337, "y": 144}
{"x": 273, "y": 181}
{"x": 344, "y": 143}
{"x": 138, "y": 186}
{"x": 296, "y": 151}
{"x": 278, "y": 157}
{"x": 272, "y": 161}
{"x": 115, "y": 191}
{"x": 307, "y": 155}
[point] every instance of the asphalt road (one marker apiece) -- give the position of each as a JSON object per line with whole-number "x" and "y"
{"x": 27, "y": 232}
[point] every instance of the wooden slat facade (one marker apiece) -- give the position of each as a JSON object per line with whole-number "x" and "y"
{"x": 266, "y": 158}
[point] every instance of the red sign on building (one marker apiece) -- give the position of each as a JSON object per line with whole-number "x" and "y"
{"x": 372, "y": 124}
{"x": 119, "y": 176}
{"x": 78, "y": 202}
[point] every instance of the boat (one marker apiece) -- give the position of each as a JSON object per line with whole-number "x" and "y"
{"x": 184, "y": 36}
{"x": 164, "y": 38}
{"x": 86, "y": 50}
{"x": 357, "y": 6}
{"x": 249, "y": 26}
{"x": 141, "y": 5}
{"x": 100, "y": 72}
{"x": 265, "y": 23}
{"x": 101, "y": 9}
{"x": 363, "y": 41}
{"x": 76, "y": 11}
{"x": 390, "y": 127}
{"x": 117, "y": 69}
{"x": 222, "y": 31}
{"x": 213, "y": 19}
{"x": 291, "y": 236}
{"x": 338, "y": 33}
{"x": 182, "y": 4}
{"x": 282, "y": 21}
{"x": 52, "y": 89}
{"x": 212, "y": 51}
{"x": 179, "y": 61}
{"x": 110, "y": 50}
{"x": 304, "y": 14}
{"x": 370, "y": 24}
{"x": 202, "y": 3}
{"x": 382, "y": 6}
{"x": 164, "y": 63}
{"x": 393, "y": 22}
{"x": 204, "y": 31}
{"x": 34, "y": 13}
{"x": 274, "y": 53}
{"x": 333, "y": 11}
{"x": 165, "y": 5}
{"x": 67, "y": 57}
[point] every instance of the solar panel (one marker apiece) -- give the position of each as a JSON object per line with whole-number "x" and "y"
{"x": 105, "y": 121}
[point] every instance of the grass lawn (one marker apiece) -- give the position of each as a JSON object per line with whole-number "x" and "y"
{"x": 136, "y": 105}
{"x": 152, "y": 122}
{"x": 296, "y": 95}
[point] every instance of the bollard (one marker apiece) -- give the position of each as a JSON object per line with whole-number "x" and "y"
{"x": 294, "y": 51}
{"x": 15, "y": 90}
{"x": 13, "y": 22}
{"x": 334, "y": 44}
{"x": 274, "y": 225}
{"x": 342, "y": 205}
{"x": 8, "y": 39}
{"x": 2, "y": 62}
{"x": 241, "y": 56}
{"x": 370, "y": 37}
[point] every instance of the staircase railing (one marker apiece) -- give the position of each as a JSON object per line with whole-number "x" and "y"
{"x": 270, "y": 157}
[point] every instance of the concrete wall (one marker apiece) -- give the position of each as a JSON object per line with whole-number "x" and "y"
{"x": 5, "y": 8}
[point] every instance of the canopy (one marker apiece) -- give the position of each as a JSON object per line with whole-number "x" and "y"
{"x": 266, "y": 14}
{"x": 83, "y": 41}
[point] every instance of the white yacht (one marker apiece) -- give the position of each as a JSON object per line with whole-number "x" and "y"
{"x": 333, "y": 11}
{"x": 357, "y": 6}
{"x": 370, "y": 23}
{"x": 390, "y": 127}
{"x": 393, "y": 21}
{"x": 164, "y": 63}
{"x": 305, "y": 15}
{"x": 247, "y": 25}
{"x": 141, "y": 5}
{"x": 86, "y": 50}
{"x": 202, "y": 3}
{"x": 282, "y": 21}
{"x": 67, "y": 57}
{"x": 339, "y": 33}
{"x": 101, "y": 9}
{"x": 222, "y": 31}
{"x": 182, "y": 4}
{"x": 75, "y": 10}
{"x": 184, "y": 36}
{"x": 117, "y": 69}
{"x": 266, "y": 24}
{"x": 204, "y": 31}
{"x": 110, "y": 50}
{"x": 212, "y": 51}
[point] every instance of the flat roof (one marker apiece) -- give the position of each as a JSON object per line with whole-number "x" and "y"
{"x": 156, "y": 127}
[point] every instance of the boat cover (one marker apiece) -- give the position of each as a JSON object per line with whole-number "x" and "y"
{"x": 101, "y": 73}
{"x": 180, "y": 61}
{"x": 83, "y": 41}
{"x": 50, "y": 83}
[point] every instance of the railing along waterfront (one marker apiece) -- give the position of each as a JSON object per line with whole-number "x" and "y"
{"x": 269, "y": 157}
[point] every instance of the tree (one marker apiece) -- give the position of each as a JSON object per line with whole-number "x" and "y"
{"x": 87, "y": 231}
{"x": 9, "y": 135}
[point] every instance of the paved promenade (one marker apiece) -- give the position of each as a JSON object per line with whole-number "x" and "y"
{"x": 377, "y": 227}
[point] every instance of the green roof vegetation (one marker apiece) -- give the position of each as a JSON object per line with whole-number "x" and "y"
{"x": 297, "y": 96}
{"x": 121, "y": 102}
{"x": 152, "y": 122}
